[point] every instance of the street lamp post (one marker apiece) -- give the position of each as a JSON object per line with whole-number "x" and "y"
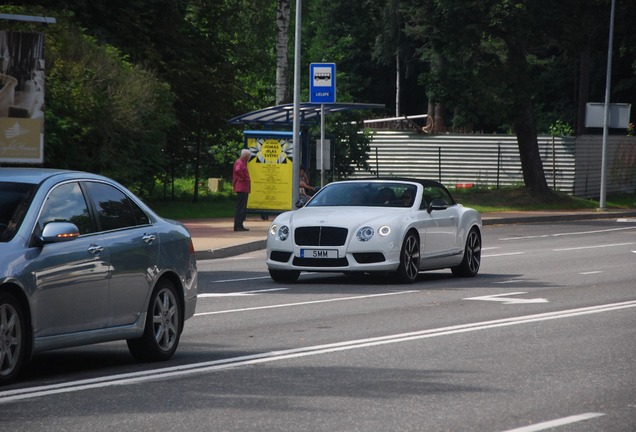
{"x": 608, "y": 82}
{"x": 296, "y": 126}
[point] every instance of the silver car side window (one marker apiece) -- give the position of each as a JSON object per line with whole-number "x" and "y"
{"x": 114, "y": 209}
{"x": 66, "y": 203}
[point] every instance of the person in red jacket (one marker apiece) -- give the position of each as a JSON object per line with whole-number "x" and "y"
{"x": 241, "y": 184}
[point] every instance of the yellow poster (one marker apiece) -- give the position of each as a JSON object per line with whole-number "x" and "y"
{"x": 271, "y": 171}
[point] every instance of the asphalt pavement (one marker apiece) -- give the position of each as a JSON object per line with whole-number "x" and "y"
{"x": 216, "y": 238}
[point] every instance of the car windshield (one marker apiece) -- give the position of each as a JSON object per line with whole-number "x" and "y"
{"x": 14, "y": 199}
{"x": 374, "y": 194}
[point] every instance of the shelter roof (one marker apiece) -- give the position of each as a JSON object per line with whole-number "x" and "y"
{"x": 309, "y": 113}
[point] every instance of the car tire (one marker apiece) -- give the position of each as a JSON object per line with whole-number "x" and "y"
{"x": 284, "y": 276}
{"x": 13, "y": 341}
{"x": 409, "y": 267}
{"x": 164, "y": 323}
{"x": 469, "y": 266}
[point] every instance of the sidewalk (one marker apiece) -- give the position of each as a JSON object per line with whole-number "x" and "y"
{"x": 216, "y": 238}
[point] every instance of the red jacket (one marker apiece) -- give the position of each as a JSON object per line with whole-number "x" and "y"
{"x": 241, "y": 176}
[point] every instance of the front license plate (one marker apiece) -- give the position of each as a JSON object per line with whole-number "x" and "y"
{"x": 319, "y": 253}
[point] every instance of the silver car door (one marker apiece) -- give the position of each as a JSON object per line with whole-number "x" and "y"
{"x": 133, "y": 244}
{"x": 70, "y": 279}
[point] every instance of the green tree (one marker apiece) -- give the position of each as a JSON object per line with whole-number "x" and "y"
{"x": 490, "y": 61}
{"x": 350, "y": 143}
{"x": 103, "y": 114}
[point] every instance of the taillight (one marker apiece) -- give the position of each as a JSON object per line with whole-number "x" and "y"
{"x": 191, "y": 247}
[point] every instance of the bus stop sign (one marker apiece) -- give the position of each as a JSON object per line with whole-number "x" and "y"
{"x": 322, "y": 83}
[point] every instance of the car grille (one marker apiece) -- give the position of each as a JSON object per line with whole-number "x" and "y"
{"x": 320, "y": 236}
{"x": 320, "y": 262}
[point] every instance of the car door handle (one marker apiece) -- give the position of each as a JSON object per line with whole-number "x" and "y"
{"x": 149, "y": 238}
{"x": 94, "y": 249}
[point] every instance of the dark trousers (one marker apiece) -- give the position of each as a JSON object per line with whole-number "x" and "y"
{"x": 240, "y": 209}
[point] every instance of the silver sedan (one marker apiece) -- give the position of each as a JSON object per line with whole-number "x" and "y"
{"x": 82, "y": 261}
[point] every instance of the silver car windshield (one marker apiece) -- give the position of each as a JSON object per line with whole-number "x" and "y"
{"x": 374, "y": 194}
{"x": 14, "y": 200}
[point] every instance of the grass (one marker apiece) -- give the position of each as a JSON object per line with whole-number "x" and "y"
{"x": 485, "y": 200}
{"x": 185, "y": 208}
{"x": 520, "y": 199}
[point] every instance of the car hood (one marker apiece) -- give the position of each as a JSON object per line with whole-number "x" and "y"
{"x": 344, "y": 216}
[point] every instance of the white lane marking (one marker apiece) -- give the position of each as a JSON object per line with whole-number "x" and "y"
{"x": 525, "y": 237}
{"x": 502, "y": 254}
{"x": 591, "y": 272}
{"x": 556, "y": 423}
{"x": 505, "y": 300}
{"x": 511, "y": 281}
{"x": 304, "y": 303}
{"x": 592, "y": 247}
{"x": 241, "y": 280}
{"x": 593, "y": 231}
{"x": 568, "y": 234}
{"x": 217, "y": 365}
{"x": 240, "y": 294}
{"x": 626, "y": 220}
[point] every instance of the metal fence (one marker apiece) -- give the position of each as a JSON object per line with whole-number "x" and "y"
{"x": 571, "y": 165}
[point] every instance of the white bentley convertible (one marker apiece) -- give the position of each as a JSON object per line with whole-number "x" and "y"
{"x": 399, "y": 226}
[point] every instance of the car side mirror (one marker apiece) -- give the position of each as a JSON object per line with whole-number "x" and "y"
{"x": 437, "y": 204}
{"x": 56, "y": 232}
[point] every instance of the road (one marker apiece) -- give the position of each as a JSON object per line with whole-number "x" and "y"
{"x": 543, "y": 338}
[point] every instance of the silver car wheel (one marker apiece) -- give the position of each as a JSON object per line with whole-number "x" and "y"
{"x": 164, "y": 323}
{"x": 473, "y": 251}
{"x": 471, "y": 262}
{"x": 165, "y": 319}
{"x": 409, "y": 266}
{"x": 12, "y": 345}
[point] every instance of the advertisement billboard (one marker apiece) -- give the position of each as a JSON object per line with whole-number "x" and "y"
{"x": 271, "y": 170}
{"x": 21, "y": 97}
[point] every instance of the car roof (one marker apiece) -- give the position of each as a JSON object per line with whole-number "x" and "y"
{"x": 34, "y": 175}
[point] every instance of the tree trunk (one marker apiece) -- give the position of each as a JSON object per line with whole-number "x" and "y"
{"x": 438, "y": 119}
{"x": 525, "y": 127}
{"x": 523, "y": 120}
{"x": 197, "y": 163}
{"x": 283, "y": 13}
{"x": 397, "y": 83}
{"x": 584, "y": 89}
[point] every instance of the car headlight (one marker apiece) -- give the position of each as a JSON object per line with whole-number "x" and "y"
{"x": 281, "y": 232}
{"x": 384, "y": 230}
{"x": 365, "y": 233}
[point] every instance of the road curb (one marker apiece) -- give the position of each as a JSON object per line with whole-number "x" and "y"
{"x": 230, "y": 251}
{"x": 556, "y": 218}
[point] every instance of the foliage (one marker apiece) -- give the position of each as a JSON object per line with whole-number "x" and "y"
{"x": 560, "y": 128}
{"x": 103, "y": 113}
{"x": 349, "y": 143}
{"x": 144, "y": 89}
{"x": 343, "y": 32}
